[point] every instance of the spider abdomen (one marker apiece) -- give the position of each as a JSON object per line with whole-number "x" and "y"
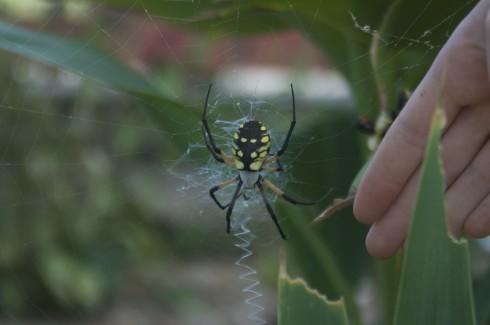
{"x": 249, "y": 179}
{"x": 251, "y": 145}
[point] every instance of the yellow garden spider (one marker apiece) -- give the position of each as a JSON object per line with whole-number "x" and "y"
{"x": 250, "y": 150}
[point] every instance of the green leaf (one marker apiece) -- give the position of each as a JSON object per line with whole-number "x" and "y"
{"x": 79, "y": 57}
{"x": 87, "y": 61}
{"x": 324, "y": 269}
{"x": 328, "y": 259}
{"x": 435, "y": 285}
{"x": 298, "y": 304}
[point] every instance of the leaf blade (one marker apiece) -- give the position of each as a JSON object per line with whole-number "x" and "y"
{"x": 299, "y": 304}
{"x": 435, "y": 284}
{"x": 76, "y": 56}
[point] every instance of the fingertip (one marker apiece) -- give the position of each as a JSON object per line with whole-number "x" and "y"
{"x": 373, "y": 199}
{"x": 363, "y": 207}
{"x": 476, "y": 232}
{"x": 381, "y": 247}
{"x": 362, "y": 213}
{"x": 376, "y": 193}
{"x": 477, "y": 225}
{"x": 359, "y": 210}
{"x": 388, "y": 234}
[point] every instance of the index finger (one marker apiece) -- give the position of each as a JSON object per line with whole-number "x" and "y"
{"x": 398, "y": 156}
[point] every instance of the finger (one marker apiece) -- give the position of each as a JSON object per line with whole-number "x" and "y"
{"x": 466, "y": 82}
{"x": 389, "y": 233}
{"x": 382, "y": 244}
{"x": 463, "y": 139}
{"x": 468, "y": 190}
{"x": 478, "y": 224}
{"x": 398, "y": 156}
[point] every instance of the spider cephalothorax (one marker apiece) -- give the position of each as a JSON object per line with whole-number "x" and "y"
{"x": 250, "y": 152}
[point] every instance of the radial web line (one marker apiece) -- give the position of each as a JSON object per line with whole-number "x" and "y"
{"x": 250, "y": 275}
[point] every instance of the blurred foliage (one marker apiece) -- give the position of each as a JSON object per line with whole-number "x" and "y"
{"x": 69, "y": 250}
{"x": 61, "y": 239}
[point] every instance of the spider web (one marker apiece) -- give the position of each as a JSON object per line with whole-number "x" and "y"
{"x": 86, "y": 168}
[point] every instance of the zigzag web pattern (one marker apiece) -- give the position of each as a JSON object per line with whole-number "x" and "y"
{"x": 251, "y": 291}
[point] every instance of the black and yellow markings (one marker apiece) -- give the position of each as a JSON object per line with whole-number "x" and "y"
{"x": 250, "y": 149}
{"x": 251, "y": 144}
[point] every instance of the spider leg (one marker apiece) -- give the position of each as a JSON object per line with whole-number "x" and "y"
{"x": 285, "y": 196}
{"x": 269, "y": 208}
{"x": 219, "y": 187}
{"x": 236, "y": 195}
{"x": 285, "y": 144}
{"x": 219, "y": 156}
{"x": 205, "y": 126}
{"x": 291, "y": 127}
{"x": 277, "y": 168}
{"x": 208, "y": 137}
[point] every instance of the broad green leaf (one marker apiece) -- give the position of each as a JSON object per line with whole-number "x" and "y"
{"x": 322, "y": 262}
{"x": 79, "y": 57}
{"x": 435, "y": 284}
{"x": 330, "y": 256}
{"x": 299, "y": 304}
{"x": 85, "y": 60}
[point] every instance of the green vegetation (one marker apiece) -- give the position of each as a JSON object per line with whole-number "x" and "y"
{"x": 81, "y": 199}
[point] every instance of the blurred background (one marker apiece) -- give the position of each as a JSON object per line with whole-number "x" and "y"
{"x": 105, "y": 216}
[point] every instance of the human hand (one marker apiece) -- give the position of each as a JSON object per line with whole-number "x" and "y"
{"x": 459, "y": 81}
